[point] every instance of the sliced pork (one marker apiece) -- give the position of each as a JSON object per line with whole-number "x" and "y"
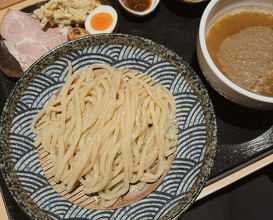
{"x": 26, "y": 39}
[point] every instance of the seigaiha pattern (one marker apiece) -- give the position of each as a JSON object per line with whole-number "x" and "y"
{"x": 191, "y": 134}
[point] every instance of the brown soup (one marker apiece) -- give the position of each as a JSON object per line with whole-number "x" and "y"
{"x": 241, "y": 46}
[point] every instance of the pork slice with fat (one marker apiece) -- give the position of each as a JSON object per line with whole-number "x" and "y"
{"x": 26, "y": 39}
{"x": 26, "y": 52}
{"x": 53, "y": 36}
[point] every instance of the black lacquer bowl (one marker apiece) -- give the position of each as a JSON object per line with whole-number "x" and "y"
{"x": 20, "y": 163}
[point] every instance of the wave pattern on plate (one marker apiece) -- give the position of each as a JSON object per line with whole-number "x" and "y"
{"x": 191, "y": 125}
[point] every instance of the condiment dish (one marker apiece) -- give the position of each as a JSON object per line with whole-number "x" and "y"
{"x": 151, "y": 7}
{"x": 231, "y": 91}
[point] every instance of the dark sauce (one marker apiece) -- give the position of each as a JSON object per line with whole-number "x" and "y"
{"x": 138, "y": 5}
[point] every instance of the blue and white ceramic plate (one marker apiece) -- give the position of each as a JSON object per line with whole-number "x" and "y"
{"x": 20, "y": 163}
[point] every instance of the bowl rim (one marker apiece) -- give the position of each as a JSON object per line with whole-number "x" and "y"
{"x": 217, "y": 72}
{"x": 154, "y": 4}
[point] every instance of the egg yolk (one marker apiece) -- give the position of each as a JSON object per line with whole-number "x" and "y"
{"x": 101, "y": 21}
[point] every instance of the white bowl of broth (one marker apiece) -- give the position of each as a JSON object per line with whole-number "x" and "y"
{"x": 235, "y": 50}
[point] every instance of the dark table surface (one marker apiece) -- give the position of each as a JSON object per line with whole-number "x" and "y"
{"x": 244, "y": 135}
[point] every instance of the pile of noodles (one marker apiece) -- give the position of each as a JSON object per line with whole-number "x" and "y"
{"x": 107, "y": 129}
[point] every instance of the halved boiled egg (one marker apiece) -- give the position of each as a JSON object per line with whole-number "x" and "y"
{"x": 102, "y": 19}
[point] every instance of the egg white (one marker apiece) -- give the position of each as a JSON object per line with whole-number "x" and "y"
{"x": 100, "y": 9}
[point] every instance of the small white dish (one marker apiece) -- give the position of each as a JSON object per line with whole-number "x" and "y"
{"x": 150, "y": 9}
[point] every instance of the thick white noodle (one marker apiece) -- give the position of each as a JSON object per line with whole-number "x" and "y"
{"x": 107, "y": 131}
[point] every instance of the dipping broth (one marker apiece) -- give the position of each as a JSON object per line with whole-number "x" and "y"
{"x": 241, "y": 46}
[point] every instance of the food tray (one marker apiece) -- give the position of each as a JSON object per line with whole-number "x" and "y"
{"x": 244, "y": 135}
